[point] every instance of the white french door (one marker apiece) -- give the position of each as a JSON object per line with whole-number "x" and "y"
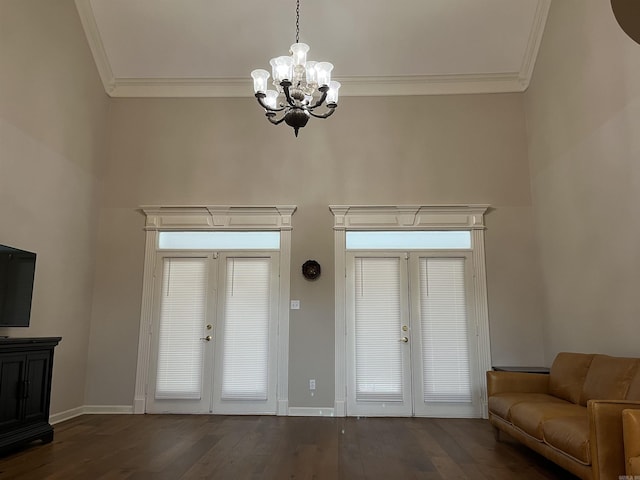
{"x": 379, "y": 379}
{"x": 410, "y": 334}
{"x": 245, "y": 374}
{"x": 444, "y": 334}
{"x": 214, "y": 333}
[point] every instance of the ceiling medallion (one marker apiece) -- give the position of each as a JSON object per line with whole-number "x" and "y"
{"x": 305, "y": 86}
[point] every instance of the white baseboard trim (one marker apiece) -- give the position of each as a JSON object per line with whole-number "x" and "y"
{"x": 90, "y": 410}
{"x": 108, "y": 409}
{"x": 283, "y": 407}
{"x": 129, "y": 410}
{"x": 310, "y": 412}
{"x": 66, "y": 415}
{"x": 139, "y": 405}
{"x": 485, "y": 408}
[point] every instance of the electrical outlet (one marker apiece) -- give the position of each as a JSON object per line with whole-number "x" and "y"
{"x": 312, "y": 384}
{"x": 295, "y": 304}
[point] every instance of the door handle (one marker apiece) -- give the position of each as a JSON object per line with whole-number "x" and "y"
{"x": 207, "y": 338}
{"x": 404, "y": 340}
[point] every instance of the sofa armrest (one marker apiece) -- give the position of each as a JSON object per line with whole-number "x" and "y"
{"x": 606, "y": 438}
{"x": 516, "y": 382}
{"x": 631, "y": 433}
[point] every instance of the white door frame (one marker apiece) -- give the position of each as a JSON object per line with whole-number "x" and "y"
{"x": 410, "y": 217}
{"x": 215, "y": 218}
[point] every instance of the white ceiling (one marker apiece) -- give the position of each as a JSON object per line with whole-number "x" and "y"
{"x": 378, "y": 47}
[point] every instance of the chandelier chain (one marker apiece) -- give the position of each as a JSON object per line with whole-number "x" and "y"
{"x": 297, "y": 21}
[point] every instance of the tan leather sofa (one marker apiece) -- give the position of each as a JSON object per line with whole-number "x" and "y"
{"x": 573, "y": 416}
{"x": 631, "y": 431}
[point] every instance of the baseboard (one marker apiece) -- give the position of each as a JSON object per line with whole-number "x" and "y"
{"x": 66, "y": 415}
{"x": 139, "y": 405}
{"x": 108, "y": 409}
{"x": 310, "y": 412}
{"x": 89, "y": 410}
{"x": 283, "y": 407}
{"x": 128, "y": 409}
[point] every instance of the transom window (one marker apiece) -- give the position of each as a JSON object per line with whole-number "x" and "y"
{"x": 409, "y": 240}
{"x": 217, "y": 240}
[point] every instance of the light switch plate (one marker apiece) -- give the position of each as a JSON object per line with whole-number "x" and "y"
{"x": 295, "y": 304}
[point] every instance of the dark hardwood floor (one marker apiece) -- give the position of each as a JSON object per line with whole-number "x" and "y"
{"x": 168, "y": 447}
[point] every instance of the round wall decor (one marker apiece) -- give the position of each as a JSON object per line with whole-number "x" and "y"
{"x": 311, "y": 269}
{"x": 627, "y": 13}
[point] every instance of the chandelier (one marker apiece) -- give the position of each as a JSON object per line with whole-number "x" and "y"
{"x": 301, "y": 86}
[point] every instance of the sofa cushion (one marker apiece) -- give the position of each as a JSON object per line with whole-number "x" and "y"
{"x": 608, "y": 378}
{"x": 631, "y": 439}
{"x": 567, "y": 375}
{"x": 569, "y": 435}
{"x": 500, "y": 404}
{"x": 530, "y": 416}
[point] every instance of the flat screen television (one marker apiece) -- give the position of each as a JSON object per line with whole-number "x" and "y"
{"x": 17, "y": 271}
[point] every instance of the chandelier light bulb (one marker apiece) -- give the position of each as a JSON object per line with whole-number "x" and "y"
{"x": 323, "y": 70}
{"x": 332, "y": 95}
{"x": 260, "y": 78}
{"x": 299, "y": 53}
{"x": 282, "y": 68}
{"x": 312, "y": 73}
{"x": 271, "y": 99}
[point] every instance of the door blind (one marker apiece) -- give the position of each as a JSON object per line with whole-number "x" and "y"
{"x": 445, "y": 346}
{"x": 182, "y": 317}
{"x": 378, "y": 361}
{"x": 246, "y": 330}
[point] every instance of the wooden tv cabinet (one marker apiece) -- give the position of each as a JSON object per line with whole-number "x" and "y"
{"x": 26, "y": 365}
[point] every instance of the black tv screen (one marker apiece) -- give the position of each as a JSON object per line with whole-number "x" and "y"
{"x": 17, "y": 270}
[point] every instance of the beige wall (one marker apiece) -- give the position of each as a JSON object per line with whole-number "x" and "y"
{"x": 577, "y": 202}
{"x": 400, "y": 150}
{"x": 53, "y": 127}
{"x": 56, "y": 130}
{"x": 583, "y": 115}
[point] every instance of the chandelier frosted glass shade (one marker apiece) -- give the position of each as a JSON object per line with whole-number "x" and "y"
{"x": 301, "y": 87}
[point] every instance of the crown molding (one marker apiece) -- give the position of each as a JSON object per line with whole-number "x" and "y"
{"x": 88, "y": 20}
{"x": 535, "y": 40}
{"x": 504, "y": 82}
{"x": 351, "y": 86}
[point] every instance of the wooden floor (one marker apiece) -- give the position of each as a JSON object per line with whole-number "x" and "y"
{"x": 168, "y": 447}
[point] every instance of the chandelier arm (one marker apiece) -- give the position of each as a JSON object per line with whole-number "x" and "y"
{"x": 325, "y": 90}
{"x": 332, "y": 108}
{"x": 287, "y": 94}
{"x": 271, "y": 116}
{"x": 260, "y": 97}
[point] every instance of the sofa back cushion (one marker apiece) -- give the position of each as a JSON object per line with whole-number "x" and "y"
{"x": 567, "y": 375}
{"x": 634, "y": 387}
{"x": 608, "y": 378}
